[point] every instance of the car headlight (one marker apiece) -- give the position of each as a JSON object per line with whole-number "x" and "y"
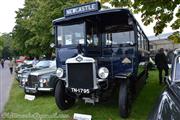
{"x": 43, "y": 80}
{"x": 103, "y": 72}
{"x": 60, "y": 72}
{"x": 24, "y": 79}
{"x": 19, "y": 75}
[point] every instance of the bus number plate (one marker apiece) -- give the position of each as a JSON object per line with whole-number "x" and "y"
{"x": 80, "y": 90}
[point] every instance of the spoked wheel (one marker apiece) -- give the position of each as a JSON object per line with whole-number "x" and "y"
{"x": 63, "y": 101}
{"x": 124, "y": 104}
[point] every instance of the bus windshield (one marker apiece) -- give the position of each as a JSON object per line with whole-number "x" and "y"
{"x": 113, "y": 35}
{"x": 70, "y": 34}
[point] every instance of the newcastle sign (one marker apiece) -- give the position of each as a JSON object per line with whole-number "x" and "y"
{"x": 90, "y": 7}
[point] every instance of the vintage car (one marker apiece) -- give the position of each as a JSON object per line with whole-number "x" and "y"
{"x": 168, "y": 104}
{"x": 22, "y": 75}
{"x": 41, "y": 80}
{"x": 21, "y": 59}
{"x": 24, "y": 65}
{"x": 97, "y": 52}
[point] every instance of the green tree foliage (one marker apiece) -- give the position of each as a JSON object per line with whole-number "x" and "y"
{"x": 6, "y": 45}
{"x": 175, "y": 37}
{"x": 87, "y": 1}
{"x": 32, "y": 33}
{"x": 160, "y": 11}
{"x": 1, "y": 45}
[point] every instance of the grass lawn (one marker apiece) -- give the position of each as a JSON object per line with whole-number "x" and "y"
{"x": 44, "y": 105}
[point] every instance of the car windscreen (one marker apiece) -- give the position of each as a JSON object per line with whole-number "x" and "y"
{"x": 28, "y": 62}
{"x": 42, "y": 64}
{"x": 52, "y": 64}
{"x": 177, "y": 69}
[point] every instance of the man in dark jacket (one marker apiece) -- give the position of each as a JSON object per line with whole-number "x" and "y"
{"x": 161, "y": 63}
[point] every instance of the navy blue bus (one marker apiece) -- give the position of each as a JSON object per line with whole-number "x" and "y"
{"x": 98, "y": 51}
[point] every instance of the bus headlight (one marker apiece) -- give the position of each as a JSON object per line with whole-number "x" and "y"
{"x": 60, "y": 72}
{"x": 103, "y": 72}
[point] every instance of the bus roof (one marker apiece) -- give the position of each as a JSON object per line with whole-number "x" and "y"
{"x": 100, "y": 12}
{"x": 120, "y": 11}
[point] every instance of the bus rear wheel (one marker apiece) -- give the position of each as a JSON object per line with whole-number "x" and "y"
{"x": 63, "y": 101}
{"x": 123, "y": 99}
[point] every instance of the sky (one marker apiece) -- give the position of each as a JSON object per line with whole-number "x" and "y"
{"x": 7, "y": 17}
{"x": 7, "y": 14}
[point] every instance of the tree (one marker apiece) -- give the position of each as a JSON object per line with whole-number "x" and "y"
{"x": 1, "y": 45}
{"x": 32, "y": 33}
{"x": 6, "y": 45}
{"x": 22, "y": 31}
{"x": 160, "y": 11}
{"x": 87, "y": 1}
{"x": 175, "y": 37}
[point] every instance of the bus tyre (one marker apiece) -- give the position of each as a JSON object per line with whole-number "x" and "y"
{"x": 63, "y": 101}
{"x": 123, "y": 99}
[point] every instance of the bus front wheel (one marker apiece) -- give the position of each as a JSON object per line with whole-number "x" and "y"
{"x": 63, "y": 101}
{"x": 123, "y": 99}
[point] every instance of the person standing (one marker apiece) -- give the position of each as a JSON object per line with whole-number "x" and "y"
{"x": 2, "y": 63}
{"x": 11, "y": 64}
{"x": 35, "y": 61}
{"x": 161, "y": 63}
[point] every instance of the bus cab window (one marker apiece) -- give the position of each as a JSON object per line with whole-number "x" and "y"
{"x": 70, "y": 34}
{"x": 91, "y": 35}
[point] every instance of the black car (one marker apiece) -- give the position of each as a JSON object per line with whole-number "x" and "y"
{"x": 23, "y": 74}
{"x": 168, "y": 105}
{"x": 41, "y": 80}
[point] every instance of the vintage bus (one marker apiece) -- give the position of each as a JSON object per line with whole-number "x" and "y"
{"x": 98, "y": 51}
